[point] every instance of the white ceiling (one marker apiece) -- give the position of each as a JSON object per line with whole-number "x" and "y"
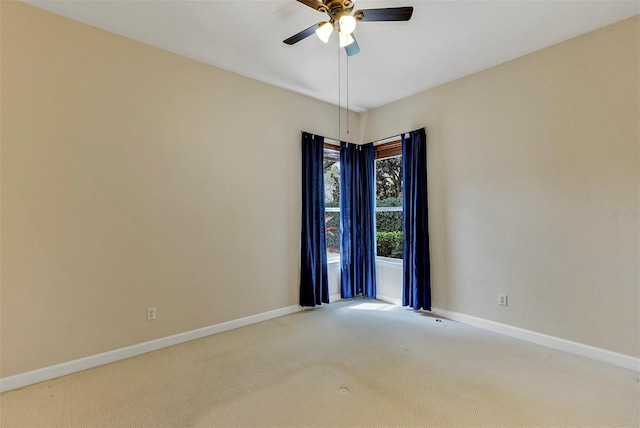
{"x": 443, "y": 41}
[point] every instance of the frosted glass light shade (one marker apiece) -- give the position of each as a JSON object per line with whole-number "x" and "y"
{"x": 324, "y": 31}
{"x": 345, "y": 39}
{"x": 347, "y": 24}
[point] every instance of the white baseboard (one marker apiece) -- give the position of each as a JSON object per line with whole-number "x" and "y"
{"x": 389, "y": 299}
{"x": 51, "y": 372}
{"x": 335, "y": 298}
{"x": 62, "y": 369}
{"x": 598, "y": 354}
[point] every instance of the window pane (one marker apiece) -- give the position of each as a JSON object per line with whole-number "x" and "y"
{"x": 389, "y": 235}
{"x": 333, "y": 233}
{"x": 389, "y": 181}
{"x": 332, "y": 205}
{"x": 331, "y": 170}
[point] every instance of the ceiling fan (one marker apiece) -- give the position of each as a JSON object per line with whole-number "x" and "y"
{"x": 344, "y": 21}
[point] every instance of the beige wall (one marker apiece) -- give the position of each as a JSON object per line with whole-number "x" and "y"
{"x": 526, "y": 160}
{"x": 133, "y": 177}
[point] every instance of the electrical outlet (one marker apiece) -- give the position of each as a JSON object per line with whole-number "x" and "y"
{"x": 151, "y": 314}
{"x": 502, "y": 299}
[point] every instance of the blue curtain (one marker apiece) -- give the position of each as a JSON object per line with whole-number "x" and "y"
{"x": 314, "y": 287}
{"x": 357, "y": 221}
{"x": 417, "y": 266}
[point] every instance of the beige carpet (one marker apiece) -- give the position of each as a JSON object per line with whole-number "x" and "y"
{"x": 357, "y": 363}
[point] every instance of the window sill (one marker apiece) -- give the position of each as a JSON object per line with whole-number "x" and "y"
{"x": 382, "y": 260}
{"x": 388, "y": 261}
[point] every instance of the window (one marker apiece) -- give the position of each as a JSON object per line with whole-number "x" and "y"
{"x": 331, "y": 168}
{"x": 389, "y": 232}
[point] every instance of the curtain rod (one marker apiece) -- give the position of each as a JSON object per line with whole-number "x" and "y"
{"x": 397, "y": 135}
{"x": 336, "y": 141}
{"x": 328, "y": 140}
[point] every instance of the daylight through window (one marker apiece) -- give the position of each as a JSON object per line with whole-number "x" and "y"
{"x": 389, "y": 231}
{"x": 331, "y": 168}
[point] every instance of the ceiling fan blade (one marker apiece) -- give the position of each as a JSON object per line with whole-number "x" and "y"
{"x": 315, "y": 4}
{"x": 303, "y": 34}
{"x": 353, "y": 48}
{"x": 384, "y": 14}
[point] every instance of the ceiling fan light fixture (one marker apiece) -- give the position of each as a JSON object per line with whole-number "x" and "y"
{"x": 347, "y": 24}
{"x": 324, "y": 31}
{"x": 343, "y": 19}
{"x": 345, "y": 39}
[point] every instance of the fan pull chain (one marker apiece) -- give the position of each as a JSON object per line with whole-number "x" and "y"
{"x": 339, "y": 99}
{"x": 347, "y": 94}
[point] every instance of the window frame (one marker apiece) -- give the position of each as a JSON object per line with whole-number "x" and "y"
{"x": 385, "y": 151}
{"x": 388, "y": 150}
{"x": 331, "y": 152}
